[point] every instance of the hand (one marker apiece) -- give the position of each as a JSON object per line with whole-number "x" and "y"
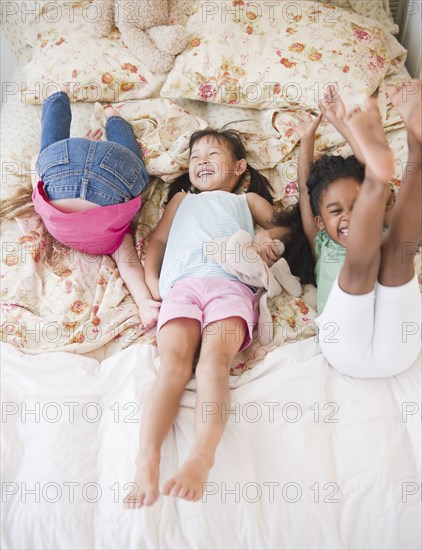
{"x": 307, "y": 126}
{"x": 332, "y": 106}
{"x": 94, "y": 135}
{"x": 268, "y": 248}
{"x": 148, "y": 312}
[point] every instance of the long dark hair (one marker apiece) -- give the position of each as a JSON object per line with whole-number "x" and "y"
{"x": 233, "y": 139}
{"x": 297, "y": 253}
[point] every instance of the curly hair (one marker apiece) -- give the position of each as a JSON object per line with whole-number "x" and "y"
{"x": 328, "y": 169}
{"x": 234, "y": 141}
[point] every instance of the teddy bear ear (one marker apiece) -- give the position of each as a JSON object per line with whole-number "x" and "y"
{"x": 171, "y": 39}
{"x": 147, "y": 34}
{"x": 105, "y": 19}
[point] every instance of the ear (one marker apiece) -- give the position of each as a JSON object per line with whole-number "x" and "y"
{"x": 241, "y": 166}
{"x": 319, "y": 223}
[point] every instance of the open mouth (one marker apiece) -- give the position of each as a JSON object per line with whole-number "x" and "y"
{"x": 344, "y": 232}
{"x": 205, "y": 172}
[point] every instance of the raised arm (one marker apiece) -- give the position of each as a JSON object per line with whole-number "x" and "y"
{"x": 157, "y": 246}
{"x": 132, "y": 273}
{"x": 334, "y": 110}
{"x": 306, "y": 130}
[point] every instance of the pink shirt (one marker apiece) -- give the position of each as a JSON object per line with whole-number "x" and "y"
{"x": 93, "y": 231}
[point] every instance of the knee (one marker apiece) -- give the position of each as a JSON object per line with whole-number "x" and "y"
{"x": 214, "y": 367}
{"x": 359, "y": 277}
{"x": 175, "y": 365}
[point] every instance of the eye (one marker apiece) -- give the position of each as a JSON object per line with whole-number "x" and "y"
{"x": 214, "y": 153}
{"x": 194, "y": 157}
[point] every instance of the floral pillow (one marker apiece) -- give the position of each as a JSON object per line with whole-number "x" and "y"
{"x": 274, "y": 55}
{"x": 180, "y": 11}
{"x": 97, "y": 69}
{"x": 377, "y": 9}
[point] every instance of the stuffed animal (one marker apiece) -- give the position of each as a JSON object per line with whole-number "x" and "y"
{"x": 239, "y": 256}
{"x": 144, "y": 29}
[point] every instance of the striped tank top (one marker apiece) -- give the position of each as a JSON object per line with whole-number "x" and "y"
{"x": 200, "y": 220}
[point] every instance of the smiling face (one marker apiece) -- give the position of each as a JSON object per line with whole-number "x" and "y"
{"x": 212, "y": 165}
{"x": 336, "y": 207}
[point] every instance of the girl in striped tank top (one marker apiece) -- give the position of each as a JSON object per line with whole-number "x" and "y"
{"x": 204, "y": 310}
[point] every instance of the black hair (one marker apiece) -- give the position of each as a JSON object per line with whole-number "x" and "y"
{"x": 298, "y": 252}
{"x": 328, "y": 169}
{"x": 258, "y": 183}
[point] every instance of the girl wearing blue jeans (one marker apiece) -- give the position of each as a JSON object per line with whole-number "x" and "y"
{"x": 89, "y": 191}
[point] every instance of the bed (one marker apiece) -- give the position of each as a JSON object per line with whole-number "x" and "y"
{"x": 310, "y": 458}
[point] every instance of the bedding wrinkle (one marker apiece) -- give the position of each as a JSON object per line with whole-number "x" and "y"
{"x": 73, "y": 334}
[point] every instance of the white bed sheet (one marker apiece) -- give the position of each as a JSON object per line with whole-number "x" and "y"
{"x": 302, "y": 436}
{"x": 369, "y": 460}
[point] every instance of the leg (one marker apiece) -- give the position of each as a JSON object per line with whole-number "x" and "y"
{"x": 360, "y": 270}
{"x": 120, "y": 131}
{"x": 55, "y": 119}
{"x": 367, "y": 339}
{"x": 402, "y": 240}
{"x": 221, "y": 341}
{"x": 177, "y": 341}
{"x": 371, "y": 337}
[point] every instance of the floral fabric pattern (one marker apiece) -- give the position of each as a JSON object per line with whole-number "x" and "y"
{"x": 83, "y": 306}
{"x": 241, "y": 53}
{"x": 97, "y": 69}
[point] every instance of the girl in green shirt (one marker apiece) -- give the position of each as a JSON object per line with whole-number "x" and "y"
{"x": 368, "y": 296}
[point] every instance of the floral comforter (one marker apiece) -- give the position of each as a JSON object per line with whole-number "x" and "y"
{"x": 82, "y": 306}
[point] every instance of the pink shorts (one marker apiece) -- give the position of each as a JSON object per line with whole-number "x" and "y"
{"x": 209, "y": 300}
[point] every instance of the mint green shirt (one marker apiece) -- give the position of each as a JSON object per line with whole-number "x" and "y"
{"x": 330, "y": 261}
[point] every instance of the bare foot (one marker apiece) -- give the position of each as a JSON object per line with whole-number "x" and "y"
{"x": 188, "y": 483}
{"x": 94, "y": 135}
{"x": 366, "y": 128}
{"x": 407, "y": 100}
{"x": 145, "y": 491}
{"x": 110, "y": 111}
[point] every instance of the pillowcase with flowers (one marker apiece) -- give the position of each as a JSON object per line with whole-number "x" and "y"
{"x": 280, "y": 54}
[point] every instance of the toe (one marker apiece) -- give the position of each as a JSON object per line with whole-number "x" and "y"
{"x": 140, "y": 501}
{"x": 167, "y": 487}
{"x": 191, "y": 495}
{"x": 134, "y": 501}
{"x": 183, "y": 493}
{"x": 150, "y": 498}
{"x": 175, "y": 490}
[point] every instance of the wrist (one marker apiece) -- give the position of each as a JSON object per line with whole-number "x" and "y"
{"x": 143, "y": 293}
{"x": 151, "y": 280}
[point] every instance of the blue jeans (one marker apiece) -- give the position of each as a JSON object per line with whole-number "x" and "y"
{"x": 103, "y": 172}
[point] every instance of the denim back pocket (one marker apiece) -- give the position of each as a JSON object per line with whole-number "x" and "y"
{"x": 53, "y": 155}
{"x": 123, "y": 164}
